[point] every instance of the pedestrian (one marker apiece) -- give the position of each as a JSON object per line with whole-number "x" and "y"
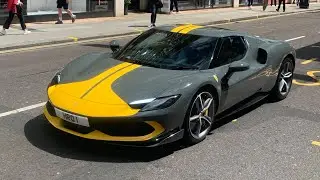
{"x": 65, "y": 5}
{"x": 14, "y": 7}
{"x": 154, "y": 5}
{"x": 265, "y": 4}
{"x": 250, "y": 2}
{"x": 284, "y": 5}
{"x": 175, "y": 3}
{"x": 275, "y": 2}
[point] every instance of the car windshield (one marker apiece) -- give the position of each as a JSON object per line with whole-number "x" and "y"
{"x": 168, "y": 50}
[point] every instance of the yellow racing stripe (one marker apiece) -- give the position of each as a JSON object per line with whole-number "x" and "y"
{"x": 103, "y": 92}
{"x": 179, "y": 28}
{"x": 100, "y": 100}
{"x": 98, "y": 135}
{"x": 190, "y": 28}
{"x": 78, "y": 89}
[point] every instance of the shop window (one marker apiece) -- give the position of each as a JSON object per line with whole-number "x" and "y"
{"x": 100, "y": 5}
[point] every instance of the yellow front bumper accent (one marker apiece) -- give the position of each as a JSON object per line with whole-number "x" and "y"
{"x": 97, "y": 135}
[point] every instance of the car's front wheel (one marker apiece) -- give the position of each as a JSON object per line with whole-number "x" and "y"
{"x": 284, "y": 81}
{"x": 199, "y": 117}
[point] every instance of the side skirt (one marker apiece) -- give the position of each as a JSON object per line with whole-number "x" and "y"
{"x": 242, "y": 105}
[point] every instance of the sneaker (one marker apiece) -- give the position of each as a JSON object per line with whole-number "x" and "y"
{"x": 59, "y": 22}
{"x": 3, "y": 32}
{"x": 73, "y": 18}
{"x": 26, "y": 32}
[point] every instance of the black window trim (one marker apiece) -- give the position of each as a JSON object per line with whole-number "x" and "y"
{"x": 219, "y": 46}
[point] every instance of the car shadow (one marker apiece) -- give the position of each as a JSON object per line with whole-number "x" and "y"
{"x": 229, "y": 118}
{"x": 309, "y": 52}
{"x": 41, "y": 134}
{"x": 304, "y": 77}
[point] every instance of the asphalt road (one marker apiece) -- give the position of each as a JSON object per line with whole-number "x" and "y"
{"x": 268, "y": 141}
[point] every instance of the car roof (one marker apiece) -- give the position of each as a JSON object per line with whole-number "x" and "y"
{"x": 203, "y": 30}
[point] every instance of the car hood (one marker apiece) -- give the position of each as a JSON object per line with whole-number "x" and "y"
{"x": 101, "y": 79}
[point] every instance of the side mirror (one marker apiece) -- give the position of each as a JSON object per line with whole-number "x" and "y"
{"x": 238, "y": 66}
{"x": 114, "y": 45}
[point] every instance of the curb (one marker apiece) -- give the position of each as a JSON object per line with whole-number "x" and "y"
{"x": 57, "y": 42}
{"x": 255, "y": 17}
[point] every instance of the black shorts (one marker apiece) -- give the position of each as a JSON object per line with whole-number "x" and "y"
{"x": 62, "y": 3}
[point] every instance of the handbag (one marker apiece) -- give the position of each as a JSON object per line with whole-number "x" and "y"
{"x": 159, "y": 4}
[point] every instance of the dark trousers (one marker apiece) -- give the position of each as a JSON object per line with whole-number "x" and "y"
{"x": 154, "y": 11}
{"x": 250, "y": 2}
{"x": 11, "y": 16}
{"x": 275, "y": 2}
{"x": 284, "y": 5}
{"x": 175, "y": 3}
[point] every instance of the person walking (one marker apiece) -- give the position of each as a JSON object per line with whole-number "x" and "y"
{"x": 154, "y": 5}
{"x": 274, "y": 1}
{"x": 175, "y": 3}
{"x": 65, "y": 5}
{"x": 14, "y": 7}
{"x": 284, "y": 5}
{"x": 250, "y": 2}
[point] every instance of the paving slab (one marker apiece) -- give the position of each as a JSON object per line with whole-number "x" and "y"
{"x": 44, "y": 33}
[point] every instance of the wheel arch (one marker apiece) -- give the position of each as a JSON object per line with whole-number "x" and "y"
{"x": 291, "y": 56}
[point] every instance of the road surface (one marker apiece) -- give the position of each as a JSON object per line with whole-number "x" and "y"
{"x": 269, "y": 141}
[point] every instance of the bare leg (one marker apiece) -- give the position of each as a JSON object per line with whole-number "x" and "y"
{"x": 73, "y": 17}
{"x": 60, "y": 14}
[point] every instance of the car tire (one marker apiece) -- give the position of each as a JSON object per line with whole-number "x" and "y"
{"x": 284, "y": 80}
{"x": 199, "y": 117}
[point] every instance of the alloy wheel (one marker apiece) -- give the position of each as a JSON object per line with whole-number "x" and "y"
{"x": 201, "y": 115}
{"x": 286, "y": 76}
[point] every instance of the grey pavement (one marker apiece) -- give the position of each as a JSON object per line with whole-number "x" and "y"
{"x": 269, "y": 141}
{"x": 49, "y": 33}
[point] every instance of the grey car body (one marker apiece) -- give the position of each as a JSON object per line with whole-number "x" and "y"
{"x": 254, "y": 72}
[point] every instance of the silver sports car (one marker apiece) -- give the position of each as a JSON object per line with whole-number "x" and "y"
{"x": 168, "y": 83}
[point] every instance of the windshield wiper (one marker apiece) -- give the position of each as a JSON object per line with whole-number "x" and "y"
{"x": 182, "y": 67}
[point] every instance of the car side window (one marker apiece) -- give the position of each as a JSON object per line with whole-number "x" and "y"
{"x": 233, "y": 48}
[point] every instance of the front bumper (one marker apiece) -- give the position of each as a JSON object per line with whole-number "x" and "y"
{"x": 139, "y": 133}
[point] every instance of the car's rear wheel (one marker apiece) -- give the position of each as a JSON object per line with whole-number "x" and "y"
{"x": 284, "y": 81}
{"x": 199, "y": 118}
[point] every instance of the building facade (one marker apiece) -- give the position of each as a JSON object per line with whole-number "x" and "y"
{"x": 46, "y": 9}
{"x": 83, "y": 8}
{"x": 196, "y": 4}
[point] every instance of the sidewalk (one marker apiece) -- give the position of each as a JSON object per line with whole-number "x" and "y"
{"x": 49, "y": 33}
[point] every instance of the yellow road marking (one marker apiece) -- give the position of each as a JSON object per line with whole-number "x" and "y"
{"x": 316, "y": 143}
{"x": 311, "y": 74}
{"x": 308, "y": 61}
{"x": 139, "y": 30}
{"x": 235, "y": 120}
{"x": 75, "y": 39}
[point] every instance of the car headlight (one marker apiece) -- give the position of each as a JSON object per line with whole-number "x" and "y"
{"x": 154, "y": 103}
{"x": 55, "y": 80}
